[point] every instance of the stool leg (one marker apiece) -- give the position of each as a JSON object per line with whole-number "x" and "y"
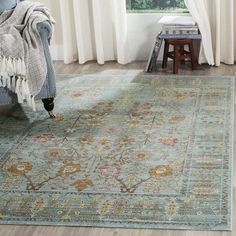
{"x": 191, "y": 49}
{"x": 176, "y": 59}
{"x": 182, "y": 53}
{"x": 165, "y": 58}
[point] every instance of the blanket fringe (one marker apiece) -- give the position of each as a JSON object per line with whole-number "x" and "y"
{"x": 12, "y": 66}
{"x": 13, "y": 76}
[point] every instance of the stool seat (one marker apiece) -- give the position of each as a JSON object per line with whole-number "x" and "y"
{"x": 179, "y": 54}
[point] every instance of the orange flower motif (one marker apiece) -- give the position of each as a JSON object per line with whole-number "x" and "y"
{"x": 102, "y": 108}
{"x": 104, "y": 142}
{"x": 147, "y": 105}
{"x": 95, "y": 122}
{"x": 146, "y": 113}
{"x": 109, "y": 106}
{"x": 125, "y": 140}
{"x": 58, "y": 118}
{"x": 180, "y": 96}
{"x": 171, "y": 208}
{"x": 43, "y": 138}
{"x": 85, "y": 140}
{"x": 97, "y": 113}
{"x": 135, "y": 112}
{"x": 106, "y": 105}
{"x": 170, "y": 141}
{"x": 69, "y": 169}
{"x": 21, "y": 168}
{"x": 161, "y": 171}
{"x": 221, "y": 145}
{"x": 133, "y": 122}
{"x": 80, "y": 185}
{"x": 54, "y": 153}
{"x": 140, "y": 156}
{"x": 176, "y": 119}
{"x": 39, "y": 203}
{"x": 76, "y": 95}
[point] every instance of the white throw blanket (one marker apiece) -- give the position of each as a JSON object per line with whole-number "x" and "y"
{"x": 23, "y": 67}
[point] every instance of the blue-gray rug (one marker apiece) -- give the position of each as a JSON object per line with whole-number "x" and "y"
{"x": 123, "y": 151}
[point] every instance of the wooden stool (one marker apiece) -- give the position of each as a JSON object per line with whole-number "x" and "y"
{"x": 179, "y": 54}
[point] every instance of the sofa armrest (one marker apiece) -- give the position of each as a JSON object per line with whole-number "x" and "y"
{"x": 49, "y": 88}
{"x": 45, "y": 29}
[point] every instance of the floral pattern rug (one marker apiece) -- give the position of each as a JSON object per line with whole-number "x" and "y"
{"x": 123, "y": 151}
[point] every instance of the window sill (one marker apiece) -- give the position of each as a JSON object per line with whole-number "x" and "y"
{"x": 156, "y": 13}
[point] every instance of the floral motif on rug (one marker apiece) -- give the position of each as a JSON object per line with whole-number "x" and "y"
{"x": 123, "y": 151}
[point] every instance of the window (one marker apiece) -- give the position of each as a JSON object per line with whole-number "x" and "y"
{"x": 162, "y": 6}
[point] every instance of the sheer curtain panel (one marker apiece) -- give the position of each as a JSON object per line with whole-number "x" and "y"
{"x": 94, "y": 30}
{"x": 216, "y": 19}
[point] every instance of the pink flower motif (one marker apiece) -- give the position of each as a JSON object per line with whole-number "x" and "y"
{"x": 109, "y": 170}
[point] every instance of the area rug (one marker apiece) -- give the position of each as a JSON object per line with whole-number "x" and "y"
{"x": 123, "y": 151}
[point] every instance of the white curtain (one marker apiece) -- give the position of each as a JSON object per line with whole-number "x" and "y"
{"x": 94, "y": 30}
{"x": 216, "y": 19}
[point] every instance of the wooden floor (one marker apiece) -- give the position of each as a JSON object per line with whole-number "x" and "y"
{"x": 116, "y": 69}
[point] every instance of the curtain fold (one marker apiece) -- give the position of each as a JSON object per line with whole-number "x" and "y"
{"x": 198, "y": 10}
{"x": 216, "y": 20}
{"x": 94, "y": 30}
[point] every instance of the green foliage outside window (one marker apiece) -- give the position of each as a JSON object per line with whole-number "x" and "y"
{"x": 137, "y": 6}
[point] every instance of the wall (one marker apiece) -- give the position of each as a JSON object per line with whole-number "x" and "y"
{"x": 142, "y": 31}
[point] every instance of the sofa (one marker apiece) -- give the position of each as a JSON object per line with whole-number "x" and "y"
{"x": 48, "y": 91}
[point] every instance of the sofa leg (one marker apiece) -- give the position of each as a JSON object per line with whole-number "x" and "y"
{"x": 49, "y": 106}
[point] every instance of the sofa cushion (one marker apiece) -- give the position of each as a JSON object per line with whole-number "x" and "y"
{"x": 7, "y": 5}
